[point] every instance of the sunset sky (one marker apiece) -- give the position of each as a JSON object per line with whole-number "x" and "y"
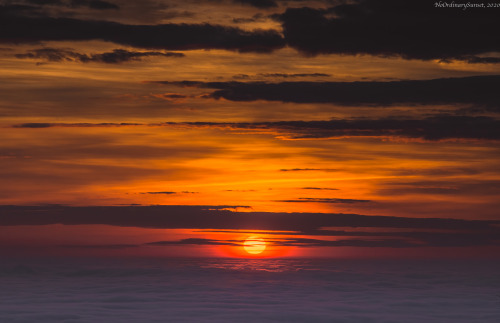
{"x": 328, "y": 128}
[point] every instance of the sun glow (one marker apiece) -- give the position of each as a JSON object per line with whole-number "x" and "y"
{"x": 254, "y": 245}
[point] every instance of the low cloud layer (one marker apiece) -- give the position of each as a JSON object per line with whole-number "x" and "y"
{"x": 439, "y": 127}
{"x": 114, "y": 57}
{"x": 476, "y": 90}
{"x": 432, "y": 128}
{"x": 414, "y": 232}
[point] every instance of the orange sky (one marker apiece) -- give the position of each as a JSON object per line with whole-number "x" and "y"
{"x": 99, "y": 133}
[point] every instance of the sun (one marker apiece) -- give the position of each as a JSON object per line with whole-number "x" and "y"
{"x": 254, "y": 245}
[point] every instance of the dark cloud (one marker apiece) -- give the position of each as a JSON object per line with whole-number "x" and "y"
{"x": 195, "y": 241}
{"x": 44, "y": 2}
{"x": 474, "y": 60}
{"x": 432, "y": 128}
{"x": 241, "y": 76}
{"x": 255, "y": 18}
{"x": 286, "y": 75}
{"x": 297, "y": 242}
{"x": 173, "y": 96}
{"x": 115, "y": 57}
{"x": 308, "y": 169}
{"x": 413, "y": 29}
{"x": 217, "y": 217}
{"x": 320, "y": 188}
{"x": 475, "y": 90}
{"x": 418, "y": 232}
{"x": 169, "y": 193}
{"x": 94, "y": 4}
{"x": 160, "y": 193}
{"x": 323, "y": 200}
{"x": 101, "y": 246}
{"x": 278, "y": 75}
{"x": 258, "y": 3}
{"x": 388, "y": 243}
{"x": 401, "y": 240}
{"x": 36, "y": 125}
{"x": 16, "y": 27}
{"x": 443, "y": 238}
{"x": 392, "y": 240}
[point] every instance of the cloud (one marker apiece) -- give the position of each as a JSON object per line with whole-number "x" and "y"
{"x": 375, "y": 240}
{"x": 308, "y": 169}
{"x": 278, "y": 75}
{"x": 263, "y": 4}
{"x": 258, "y": 17}
{"x": 415, "y": 232}
{"x": 115, "y": 57}
{"x": 102, "y": 246}
{"x": 474, "y": 90}
{"x": 160, "y": 193}
{"x": 38, "y": 125}
{"x": 34, "y": 125}
{"x": 320, "y": 188}
{"x": 287, "y": 75}
{"x": 195, "y": 241}
{"x": 297, "y": 242}
{"x": 379, "y": 238}
{"x": 432, "y": 128}
{"x": 17, "y": 27}
{"x": 92, "y": 4}
{"x": 323, "y": 200}
{"x": 217, "y": 217}
{"x": 412, "y": 29}
{"x": 388, "y": 243}
{"x": 457, "y": 187}
{"x": 473, "y": 60}
{"x": 170, "y": 193}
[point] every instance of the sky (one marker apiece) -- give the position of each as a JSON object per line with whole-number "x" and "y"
{"x": 328, "y": 128}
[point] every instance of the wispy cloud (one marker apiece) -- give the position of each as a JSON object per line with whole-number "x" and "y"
{"x": 114, "y": 57}
{"x": 323, "y": 200}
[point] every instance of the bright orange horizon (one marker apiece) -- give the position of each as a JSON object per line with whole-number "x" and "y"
{"x": 181, "y": 129}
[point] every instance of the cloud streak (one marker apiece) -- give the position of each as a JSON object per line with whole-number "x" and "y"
{"x": 216, "y": 217}
{"x": 474, "y": 90}
{"x": 18, "y": 27}
{"x": 292, "y": 227}
{"x": 324, "y": 200}
{"x": 114, "y": 57}
{"x": 433, "y": 128}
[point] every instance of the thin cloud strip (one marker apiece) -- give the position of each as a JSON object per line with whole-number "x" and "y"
{"x": 218, "y": 217}
{"x": 416, "y": 232}
{"x": 439, "y": 127}
{"x": 114, "y": 57}
{"x": 473, "y": 90}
